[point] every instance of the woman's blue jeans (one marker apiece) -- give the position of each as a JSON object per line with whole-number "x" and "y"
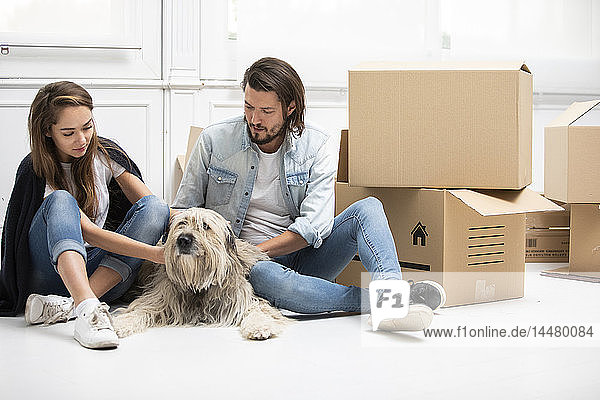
{"x": 303, "y": 281}
{"x": 56, "y": 228}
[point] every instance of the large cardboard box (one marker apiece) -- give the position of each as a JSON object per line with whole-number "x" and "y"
{"x": 572, "y": 156}
{"x": 547, "y": 236}
{"x": 472, "y": 242}
{"x": 440, "y": 125}
{"x": 584, "y": 251}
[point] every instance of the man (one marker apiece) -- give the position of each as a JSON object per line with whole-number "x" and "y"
{"x": 273, "y": 178}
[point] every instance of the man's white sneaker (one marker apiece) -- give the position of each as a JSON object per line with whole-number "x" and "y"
{"x": 419, "y": 317}
{"x": 93, "y": 328}
{"x": 48, "y": 309}
{"x": 430, "y": 293}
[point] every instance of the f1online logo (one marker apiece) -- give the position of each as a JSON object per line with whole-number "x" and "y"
{"x": 419, "y": 235}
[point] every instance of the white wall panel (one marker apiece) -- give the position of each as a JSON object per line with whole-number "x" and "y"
{"x": 218, "y": 53}
{"x": 14, "y": 141}
{"x": 182, "y": 21}
{"x": 134, "y": 119}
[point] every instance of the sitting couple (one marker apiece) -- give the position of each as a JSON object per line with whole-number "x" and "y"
{"x": 80, "y": 219}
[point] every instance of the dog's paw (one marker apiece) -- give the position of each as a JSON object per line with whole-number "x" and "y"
{"x": 123, "y": 326}
{"x": 261, "y": 329}
{"x": 258, "y": 333}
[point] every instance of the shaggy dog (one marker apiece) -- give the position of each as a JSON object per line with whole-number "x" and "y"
{"x": 203, "y": 282}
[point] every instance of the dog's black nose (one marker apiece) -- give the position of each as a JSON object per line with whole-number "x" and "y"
{"x": 184, "y": 242}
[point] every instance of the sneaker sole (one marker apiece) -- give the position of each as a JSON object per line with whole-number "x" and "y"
{"x": 99, "y": 345}
{"x": 441, "y": 291}
{"x": 419, "y": 318}
{"x": 28, "y": 306}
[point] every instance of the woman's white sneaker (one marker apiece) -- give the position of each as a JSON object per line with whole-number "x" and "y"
{"x": 48, "y": 309}
{"x": 93, "y": 328}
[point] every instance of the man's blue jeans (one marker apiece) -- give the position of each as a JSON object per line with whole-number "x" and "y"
{"x": 303, "y": 281}
{"x": 56, "y": 227}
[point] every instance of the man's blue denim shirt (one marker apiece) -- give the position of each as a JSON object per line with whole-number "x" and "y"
{"x": 222, "y": 169}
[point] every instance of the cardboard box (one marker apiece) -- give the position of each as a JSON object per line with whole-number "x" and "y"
{"x": 551, "y": 219}
{"x": 572, "y": 156}
{"x": 351, "y": 275}
{"x": 584, "y": 250}
{"x": 472, "y": 242}
{"x": 440, "y": 126}
{"x": 547, "y": 236}
{"x": 547, "y": 246}
{"x": 182, "y": 160}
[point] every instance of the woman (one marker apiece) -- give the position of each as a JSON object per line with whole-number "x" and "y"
{"x": 70, "y": 193}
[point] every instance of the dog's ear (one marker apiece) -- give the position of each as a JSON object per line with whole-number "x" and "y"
{"x": 230, "y": 240}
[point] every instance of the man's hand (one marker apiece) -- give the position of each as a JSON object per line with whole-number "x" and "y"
{"x": 286, "y": 243}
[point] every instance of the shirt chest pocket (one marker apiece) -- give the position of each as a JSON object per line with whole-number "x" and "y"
{"x": 296, "y": 183}
{"x": 221, "y": 183}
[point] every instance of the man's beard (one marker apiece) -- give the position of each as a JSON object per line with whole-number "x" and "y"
{"x": 271, "y": 134}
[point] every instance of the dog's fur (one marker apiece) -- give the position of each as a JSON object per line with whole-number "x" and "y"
{"x": 203, "y": 282}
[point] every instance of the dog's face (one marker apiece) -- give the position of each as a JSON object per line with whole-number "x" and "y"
{"x": 199, "y": 248}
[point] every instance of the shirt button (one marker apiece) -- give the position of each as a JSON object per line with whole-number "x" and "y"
{"x": 237, "y": 221}
{"x": 246, "y": 194}
{"x": 252, "y": 167}
{"x": 302, "y": 182}
{"x": 219, "y": 179}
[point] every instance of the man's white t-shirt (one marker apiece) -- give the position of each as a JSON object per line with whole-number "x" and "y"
{"x": 267, "y": 215}
{"x": 102, "y": 176}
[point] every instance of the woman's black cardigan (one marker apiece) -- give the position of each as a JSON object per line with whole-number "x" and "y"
{"x": 26, "y": 198}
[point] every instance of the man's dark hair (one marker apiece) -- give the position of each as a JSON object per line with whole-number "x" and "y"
{"x": 274, "y": 75}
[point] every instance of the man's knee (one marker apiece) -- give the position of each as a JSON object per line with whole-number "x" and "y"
{"x": 368, "y": 205}
{"x": 259, "y": 274}
{"x": 271, "y": 280}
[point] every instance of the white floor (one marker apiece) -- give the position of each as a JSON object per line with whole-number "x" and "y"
{"x": 325, "y": 358}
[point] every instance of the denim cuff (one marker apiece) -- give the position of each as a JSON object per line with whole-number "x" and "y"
{"x": 67, "y": 245}
{"x": 116, "y": 265}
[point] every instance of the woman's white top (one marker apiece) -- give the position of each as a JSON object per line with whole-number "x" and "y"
{"x": 102, "y": 176}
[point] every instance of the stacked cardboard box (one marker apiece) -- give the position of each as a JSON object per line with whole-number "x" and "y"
{"x": 571, "y": 165}
{"x": 422, "y": 138}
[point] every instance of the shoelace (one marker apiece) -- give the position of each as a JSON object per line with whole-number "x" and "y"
{"x": 56, "y": 312}
{"x": 100, "y": 318}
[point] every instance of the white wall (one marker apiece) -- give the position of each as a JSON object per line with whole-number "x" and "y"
{"x": 177, "y": 64}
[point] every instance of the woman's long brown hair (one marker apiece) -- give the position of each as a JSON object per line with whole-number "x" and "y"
{"x": 48, "y": 103}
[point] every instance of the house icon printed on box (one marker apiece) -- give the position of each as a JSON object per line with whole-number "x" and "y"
{"x": 419, "y": 234}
